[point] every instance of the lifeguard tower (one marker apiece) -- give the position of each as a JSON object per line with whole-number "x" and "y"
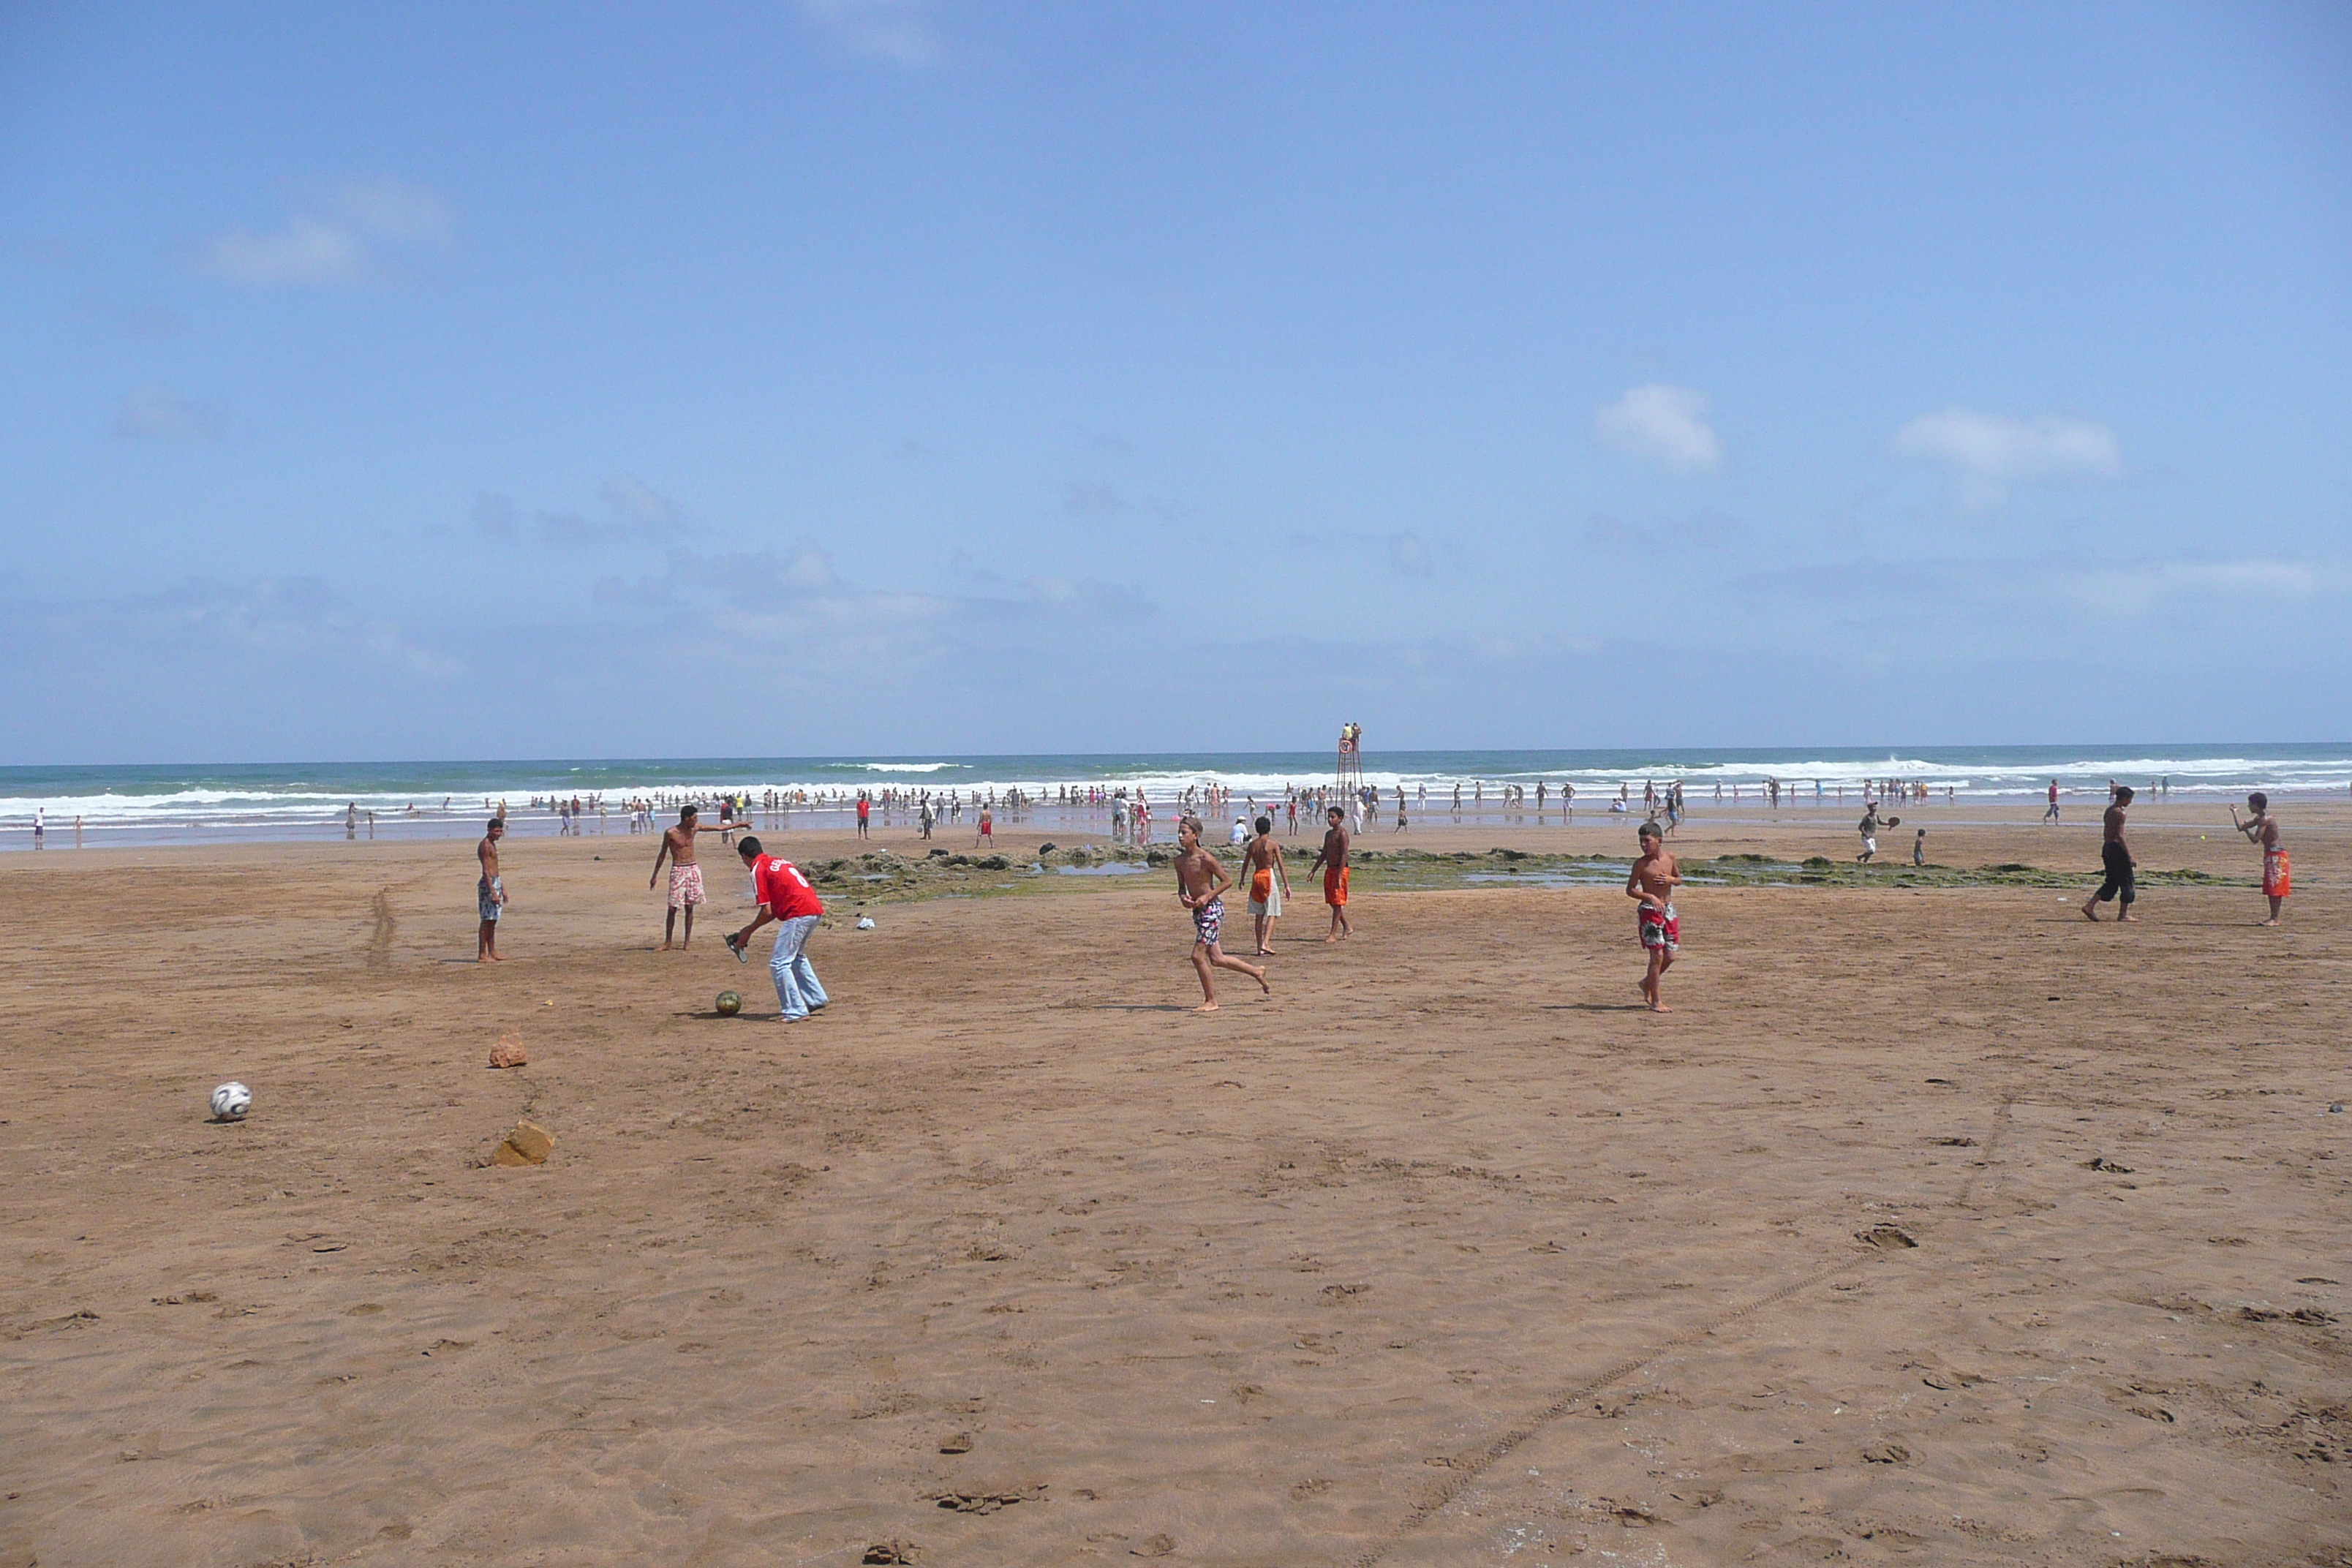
{"x": 1352, "y": 760}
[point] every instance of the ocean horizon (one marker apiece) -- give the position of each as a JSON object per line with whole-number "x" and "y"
{"x": 176, "y": 802}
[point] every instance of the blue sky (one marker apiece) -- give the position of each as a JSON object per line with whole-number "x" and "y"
{"x": 860, "y": 376}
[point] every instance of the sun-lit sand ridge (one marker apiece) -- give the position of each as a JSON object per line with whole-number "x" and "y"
{"x": 1445, "y": 1256}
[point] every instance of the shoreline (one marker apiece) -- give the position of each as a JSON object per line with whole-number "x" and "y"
{"x": 2163, "y": 817}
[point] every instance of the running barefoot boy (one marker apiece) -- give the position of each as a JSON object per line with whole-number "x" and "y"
{"x": 1269, "y": 884}
{"x": 1333, "y": 860}
{"x": 491, "y": 893}
{"x": 1652, "y": 881}
{"x": 2262, "y": 828}
{"x": 1201, "y": 883}
{"x": 684, "y": 873}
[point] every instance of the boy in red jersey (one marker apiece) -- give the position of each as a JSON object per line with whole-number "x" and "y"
{"x": 786, "y": 897}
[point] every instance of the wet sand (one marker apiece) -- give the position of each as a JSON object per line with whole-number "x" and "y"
{"x": 1448, "y": 1254}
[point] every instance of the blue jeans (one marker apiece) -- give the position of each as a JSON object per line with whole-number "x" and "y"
{"x": 797, "y": 983}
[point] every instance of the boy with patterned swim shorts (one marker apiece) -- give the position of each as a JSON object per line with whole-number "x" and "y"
{"x": 1200, "y": 884}
{"x": 1652, "y": 881}
{"x": 685, "y": 872}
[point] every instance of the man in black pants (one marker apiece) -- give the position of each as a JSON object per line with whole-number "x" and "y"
{"x": 2116, "y": 856}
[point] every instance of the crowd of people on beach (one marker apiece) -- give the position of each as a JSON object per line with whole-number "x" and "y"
{"x": 785, "y": 897}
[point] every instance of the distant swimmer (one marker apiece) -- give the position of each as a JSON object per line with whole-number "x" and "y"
{"x": 1200, "y": 884}
{"x": 1652, "y": 881}
{"x": 491, "y": 893}
{"x": 1332, "y": 859}
{"x": 2262, "y": 828}
{"x": 2116, "y": 857}
{"x": 686, "y": 889}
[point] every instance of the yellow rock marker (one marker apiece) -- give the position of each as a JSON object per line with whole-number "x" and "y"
{"x": 528, "y": 1144}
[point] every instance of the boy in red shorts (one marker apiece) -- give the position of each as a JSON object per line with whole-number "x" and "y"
{"x": 2262, "y": 829}
{"x": 1333, "y": 860}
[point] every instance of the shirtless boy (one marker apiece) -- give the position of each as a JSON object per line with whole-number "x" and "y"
{"x": 685, "y": 872}
{"x": 2115, "y": 858}
{"x": 1333, "y": 860}
{"x": 1652, "y": 881}
{"x": 2262, "y": 828}
{"x": 1269, "y": 884}
{"x": 490, "y": 894}
{"x": 1200, "y": 884}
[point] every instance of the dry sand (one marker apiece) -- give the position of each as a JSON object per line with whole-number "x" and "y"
{"x": 1446, "y": 1255}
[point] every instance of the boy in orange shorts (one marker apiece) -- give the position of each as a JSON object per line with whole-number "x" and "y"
{"x": 1333, "y": 860}
{"x": 2278, "y": 878}
{"x": 1269, "y": 884}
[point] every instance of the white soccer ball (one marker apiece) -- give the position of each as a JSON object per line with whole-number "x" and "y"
{"x": 231, "y": 1101}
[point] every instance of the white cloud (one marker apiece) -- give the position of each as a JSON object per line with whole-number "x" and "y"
{"x": 892, "y": 30}
{"x": 2140, "y": 588}
{"x": 1092, "y": 501}
{"x": 199, "y": 625}
{"x": 1664, "y": 423}
{"x": 395, "y": 210}
{"x": 341, "y": 243}
{"x": 160, "y": 414}
{"x": 637, "y": 501}
{"x": 1409, "y": 554}
{"x": 307, "y": 251}
{"x": 1987, "y": 453}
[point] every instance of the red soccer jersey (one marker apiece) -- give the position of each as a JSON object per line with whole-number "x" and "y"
{"x": 781, "y": 887}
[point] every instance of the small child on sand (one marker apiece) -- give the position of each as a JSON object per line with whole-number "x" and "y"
{"x": 1919, "y": 849}
{"x": 1652, "y": 881}
{"x": 1200, "y": 884}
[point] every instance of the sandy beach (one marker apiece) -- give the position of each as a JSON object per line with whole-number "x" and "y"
{"x": 1934, "y": 1224}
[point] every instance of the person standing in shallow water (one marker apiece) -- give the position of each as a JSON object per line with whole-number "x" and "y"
{"x": 2116, "y": 857}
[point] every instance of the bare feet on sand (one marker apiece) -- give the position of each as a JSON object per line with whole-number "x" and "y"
{"x": 1206, "y": 1008}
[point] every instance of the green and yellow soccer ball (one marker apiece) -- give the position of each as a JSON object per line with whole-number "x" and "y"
{"x": 729, "y": 1004}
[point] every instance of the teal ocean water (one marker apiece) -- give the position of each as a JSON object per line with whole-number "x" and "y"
{"x": 174, "y": 803}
